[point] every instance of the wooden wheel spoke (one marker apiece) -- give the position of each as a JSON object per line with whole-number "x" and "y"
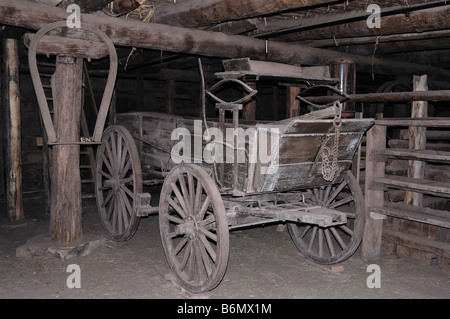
{"x": 179, "y": 196}
{"x": 338, "y": 237}
{"x": 114, "y": 150}
{"x": 107, "y": 164}
{"x": 329, "y": 242}
{"x": 312, "y": 239}
{"x": 344, "y": 201}
{"x": 126, "y": 202}
{"x": 127, "y": 180}
{"x": 191, "y": 191}
{"x": 180, "y": 246}
{"x": 335, "y": 193}
{"x": 320, "y": 242}
{"x": 177, "y": 208}
{"x": 109, "y": 211}
{"x": 198, "y": 196}
{"x": 125, "y": 169}
{"x": 346, "y": 230}
{"x": 119, "y": 152}
{"x": 104, "y": 174}
{"x": 208, "y": 234}
{"x": 127, "y": 191}
{"x": 204, "y": 208}
{"x": 186, "y": 255}
{"x": 111, "y": 156}
{"x": 206, "y": 252}
{"x": 107, "y": 199}
{"x": 186, "y": 196}
{"x": 174, "y": 219}
{"x": 207, "y": 221}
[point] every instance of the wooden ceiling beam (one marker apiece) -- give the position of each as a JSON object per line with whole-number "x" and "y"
{"x": 127, "y": 32}
{"x": 203, "y": 13}
{"x": 417, "y": 21}
{"x": 378, "y": 38}
{"x": 85, "y": 5}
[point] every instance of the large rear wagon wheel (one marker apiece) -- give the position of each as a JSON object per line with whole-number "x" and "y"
{"x": 194, "y": 228}
{"x": 118, "y": 180}
{"x": 330, "y": 245}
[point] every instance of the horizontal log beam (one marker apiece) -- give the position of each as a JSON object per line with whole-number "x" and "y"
{"x": 75, "y": 47}
{"x": 192, "y": 14}
{"x": 85, "y": 5}
{"x": 127, "y": 32}
{"x": 417, "y": 21}
{"x": 434, "y": 96}
{"x": 277, "y": 26}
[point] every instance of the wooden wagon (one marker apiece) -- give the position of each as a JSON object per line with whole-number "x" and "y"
{"x": 294, "y": 171}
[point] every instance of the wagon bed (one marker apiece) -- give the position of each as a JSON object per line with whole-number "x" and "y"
{"x": 297, "y": 164}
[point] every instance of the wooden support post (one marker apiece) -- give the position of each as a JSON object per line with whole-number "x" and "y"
{"x": 417, "y": 140}
{"x": 249, "y": 112}
{"x": 376, "y": 142}
{"x": 293, "y": 105}
{"x": 66, "y": 209}
{"x": 13, "y": 131}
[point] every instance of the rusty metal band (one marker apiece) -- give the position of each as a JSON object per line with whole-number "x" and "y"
{"x": 37, "y": 83}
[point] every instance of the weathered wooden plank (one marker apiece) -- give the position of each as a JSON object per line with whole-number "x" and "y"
{"x": 435, "y": 96}
{"x": 418, "y": 155}
{"x": 420, "y": 185}
{"x": 428, "y": 122}
{"x": 420, "y": 214}
{"x": 416, "y": 242}
{"x": 403, "y": 144}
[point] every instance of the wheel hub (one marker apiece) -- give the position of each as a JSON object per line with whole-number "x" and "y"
{"x": 114, "y": 183}
{"x": 188, "y": 228}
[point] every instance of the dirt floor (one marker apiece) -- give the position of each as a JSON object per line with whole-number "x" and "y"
{"x": 263, "y": 264}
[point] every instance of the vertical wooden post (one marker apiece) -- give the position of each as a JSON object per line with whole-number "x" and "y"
{"x": 417, "y": 140}
{"x": 13, "y": 131}
{"x": 292, "y": 104}
{"x": 375, "y": 167}
{"x": 66, "y": 209}
{"x": 249, "y": 112}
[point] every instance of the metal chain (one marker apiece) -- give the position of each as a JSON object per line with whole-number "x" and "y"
{"x": 329, "y": 170}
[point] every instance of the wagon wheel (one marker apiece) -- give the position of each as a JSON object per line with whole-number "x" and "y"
{"x": 118, "y": 180}
{"x": 194, "y": 228}
{"x": 329, "y": 245}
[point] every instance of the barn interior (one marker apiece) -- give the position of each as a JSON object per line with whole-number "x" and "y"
{"x": 389, "y": 59}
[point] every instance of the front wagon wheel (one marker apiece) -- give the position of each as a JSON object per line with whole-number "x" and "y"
{"x": 330, "y": 245}
{"x": 194, "y": 228}
{"x": 118, "y": 180}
